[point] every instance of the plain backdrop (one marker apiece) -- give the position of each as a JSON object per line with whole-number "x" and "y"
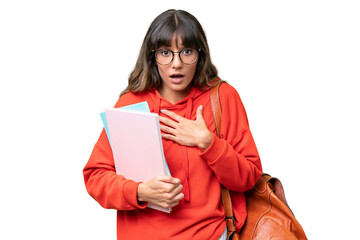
{"x": 294, "y": 63}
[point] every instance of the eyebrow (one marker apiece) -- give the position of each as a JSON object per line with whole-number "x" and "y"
{"x": 169, "y": 46}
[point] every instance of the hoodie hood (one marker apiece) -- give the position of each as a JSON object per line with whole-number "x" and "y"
{"x": 184, "y": 108}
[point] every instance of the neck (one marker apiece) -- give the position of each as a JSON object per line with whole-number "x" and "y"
{"x": 174, "y": 97}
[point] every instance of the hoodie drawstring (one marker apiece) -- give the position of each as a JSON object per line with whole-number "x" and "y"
{"x": 157, "y": 106}
{"x": 183, "y": 153}
{"x": 184, "y": 156}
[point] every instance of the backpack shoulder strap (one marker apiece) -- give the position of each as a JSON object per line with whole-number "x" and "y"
{"x": 225, "y": 194}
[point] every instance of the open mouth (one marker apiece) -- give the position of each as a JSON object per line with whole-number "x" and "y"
{"x": 176, "y": 76}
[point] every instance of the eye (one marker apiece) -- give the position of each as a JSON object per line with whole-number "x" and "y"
{"x": 187, "y": 51}
{"x": 165, "y": 53}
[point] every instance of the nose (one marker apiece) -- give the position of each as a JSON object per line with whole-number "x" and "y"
{"x": 176, "y": 63}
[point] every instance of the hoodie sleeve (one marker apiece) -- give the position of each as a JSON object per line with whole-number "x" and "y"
{"x": 110, "y": 190}
{"x": 234, "y": 157}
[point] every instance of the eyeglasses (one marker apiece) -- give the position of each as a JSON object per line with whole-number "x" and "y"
{"x": 187, "y": 55}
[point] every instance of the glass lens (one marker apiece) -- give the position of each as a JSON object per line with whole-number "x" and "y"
{"x": 188, "y": 55}
{"x": 164, "y": 56}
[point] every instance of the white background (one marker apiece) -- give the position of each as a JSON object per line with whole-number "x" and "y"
{"x": 294, "y": 63}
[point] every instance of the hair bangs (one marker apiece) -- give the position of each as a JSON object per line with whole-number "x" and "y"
{"x": 176, "y": 24}
{"x": 189, "y": 34}
{"x": 188, "y": 39}
{"x": 162, "y": 37}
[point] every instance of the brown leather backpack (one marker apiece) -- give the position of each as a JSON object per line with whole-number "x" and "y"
{"x": 268, "y": 214}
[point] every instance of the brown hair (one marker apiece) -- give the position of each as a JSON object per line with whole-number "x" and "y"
{"x": 145, "y": 75}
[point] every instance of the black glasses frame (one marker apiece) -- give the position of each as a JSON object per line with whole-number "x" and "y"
{"x": 173, "y": 54}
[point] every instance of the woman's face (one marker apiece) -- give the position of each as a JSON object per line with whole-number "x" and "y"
{"x": 176, "y": 76}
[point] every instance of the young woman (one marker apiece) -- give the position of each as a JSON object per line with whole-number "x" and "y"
{"x": 173, "y": 74}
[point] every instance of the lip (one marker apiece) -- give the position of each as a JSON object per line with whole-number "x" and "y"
{"x": 177, "y": 78}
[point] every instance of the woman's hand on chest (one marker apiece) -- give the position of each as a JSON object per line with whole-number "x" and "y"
{"x": 184, "y": 131}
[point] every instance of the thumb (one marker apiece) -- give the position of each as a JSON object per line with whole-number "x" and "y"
{"x": 199, "y": 113}
{"x": 169, "y": 179}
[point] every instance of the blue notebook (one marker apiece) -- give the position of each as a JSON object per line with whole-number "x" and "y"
{"x": 141, "y": 106}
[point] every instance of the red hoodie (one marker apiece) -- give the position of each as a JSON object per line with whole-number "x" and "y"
{"x": 232, "y": 161}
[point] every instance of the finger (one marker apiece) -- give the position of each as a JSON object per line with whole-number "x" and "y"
{"x": 172, "y": 189}
{"x": 169, "y": 179}
{"x": 171, "y": 204}
{"x": 175, "y": 201}
{"x": 169, "y": 137}
{"x": 171, "y": 114}
{"x": 179, "y": 197}
{"x": 170, "y": 197}
{"x": 174, "y": 195}
{"x": 165, "y": 189}
{"x": 168, "y": 122}
{"x": 199, "y": 113}
{"x": 167, "y": 129}
{"x": 177, "y": 190}
{"x": 166, "y": 204}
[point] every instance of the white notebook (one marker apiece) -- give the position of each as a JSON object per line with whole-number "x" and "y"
{"x": 137, "y": 145}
